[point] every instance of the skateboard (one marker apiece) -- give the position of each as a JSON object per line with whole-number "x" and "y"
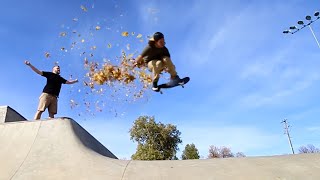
{"x": 181, "y": 83}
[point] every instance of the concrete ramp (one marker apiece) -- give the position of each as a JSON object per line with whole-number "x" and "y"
{"x": 53, "y": 149}
{"x": 7, "y": 114}
{"x": 62, "y": 149}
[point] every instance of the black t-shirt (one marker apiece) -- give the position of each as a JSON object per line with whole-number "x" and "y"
{"x": 153, "y": 53}
{"x": 54, "y": 82}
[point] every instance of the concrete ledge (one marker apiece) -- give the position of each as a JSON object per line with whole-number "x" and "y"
{"x": 7, "y": 114}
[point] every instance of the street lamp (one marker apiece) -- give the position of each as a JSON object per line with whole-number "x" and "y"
{"x": 294, "y": 29}
{"x": 300, "y": 22}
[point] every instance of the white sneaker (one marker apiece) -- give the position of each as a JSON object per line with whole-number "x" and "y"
{"x": 155, "y": 88}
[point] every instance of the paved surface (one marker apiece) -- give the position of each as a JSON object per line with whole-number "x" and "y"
{"x": 62, "y": 149}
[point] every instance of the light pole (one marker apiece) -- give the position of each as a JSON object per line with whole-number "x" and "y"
{"x": 294, "y": 29}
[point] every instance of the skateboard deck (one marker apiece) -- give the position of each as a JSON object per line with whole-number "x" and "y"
{"x": 181, "y": 83}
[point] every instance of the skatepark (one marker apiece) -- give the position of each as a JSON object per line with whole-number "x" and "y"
{"x": 61, "y": 149}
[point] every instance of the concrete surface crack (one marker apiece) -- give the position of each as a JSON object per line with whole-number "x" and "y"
{"x": 28, "y": 152}
{"x": 125, "y": 169}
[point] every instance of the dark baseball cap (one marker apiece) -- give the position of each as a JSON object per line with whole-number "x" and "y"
{"x": 156, "y": 36}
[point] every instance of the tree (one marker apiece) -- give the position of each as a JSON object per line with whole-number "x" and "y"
{"x": 226, "y": 152}
{"x": 190, "y": 152}
{"x": 240, "y": 154}
{"x": 156, "y": 141}
{"x": 214, "y": 152}
{"x": 222, "y": 152}
{"x": 309, "y": 149}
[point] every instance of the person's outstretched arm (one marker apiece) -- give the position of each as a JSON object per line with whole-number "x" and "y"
{"x": 33, "y": 68}
{"x": 72, "y": 81}
{"x": 139, "y": 61}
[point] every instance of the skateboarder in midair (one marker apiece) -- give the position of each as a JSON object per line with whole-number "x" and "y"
{"x": 157, "y": 57}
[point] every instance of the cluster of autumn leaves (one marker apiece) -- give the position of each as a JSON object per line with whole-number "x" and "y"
{"x": 124, "y": 73}
{"x": 118, "y": 78}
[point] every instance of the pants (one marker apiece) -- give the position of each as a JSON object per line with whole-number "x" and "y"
{"x": 157, "y": 66}
{"x": 48, "y": 101}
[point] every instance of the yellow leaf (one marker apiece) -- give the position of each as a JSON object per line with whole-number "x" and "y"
{"x": 84, "y": 8}
{"x": 125, "y": 33}
{"x": 47, "y": 54}
{"x": 63, "y": 34}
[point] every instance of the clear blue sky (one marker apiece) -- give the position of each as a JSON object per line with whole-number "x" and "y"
{"x": 246, "y": 75}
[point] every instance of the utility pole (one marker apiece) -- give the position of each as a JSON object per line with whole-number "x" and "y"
{"x": 286, "y": 128}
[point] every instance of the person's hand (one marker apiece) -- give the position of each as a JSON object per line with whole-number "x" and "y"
{"x": 27, "y": 63}
{"x": 138, "y": 64}
{"x": 134, "y": 62}
{"x": 76, "y": 80}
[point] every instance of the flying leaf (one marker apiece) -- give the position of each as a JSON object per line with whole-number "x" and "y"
{"x": 125, "y": 33}
{"x": 84, "y": 8}
{"x": 62, "y": 34}
{"x": 47, "y": 55}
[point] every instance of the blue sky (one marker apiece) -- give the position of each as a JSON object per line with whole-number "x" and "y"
{"x": 246, "y": 75}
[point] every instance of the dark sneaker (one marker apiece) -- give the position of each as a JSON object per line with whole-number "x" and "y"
{"x": 174, "y": 81}
{"x": 155, "y": 86}
{"x": 177, "y": 78}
